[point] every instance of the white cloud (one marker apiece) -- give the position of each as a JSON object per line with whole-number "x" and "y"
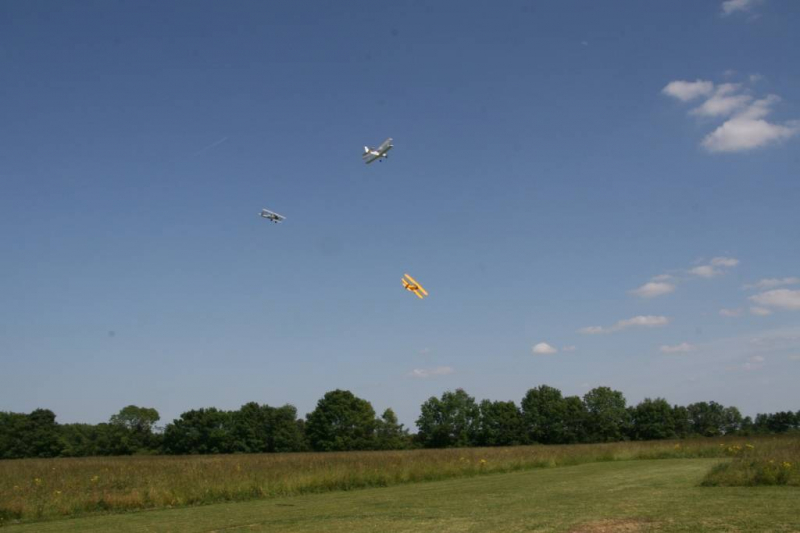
{"x": 754, "y": 78}
{"x": 745, "y": 127}
{"x": 781, "y": 298}
{"x": 748, "y": 130}
{"x": 724, "y": 102}
{"x": 714, "y": 268}
{"x": 794, "y": 357}
{"x": 705, "y": 271}
{"x": 424, "y": 373}
{"x": 543, "y": 349}
{"x": 662, "y": 277}
{"x": 688, "y": 90}
{"x": 732, "y": 6}
{"x": 760, "y": 311}
{"x": 645, "y": 321}
{"x": 725, "y": 261}
{"x": 637, "y": 321}
{"x": 771, "y": 283}
{"x": 570, "y": 348}
{"x": 754, "y": 363}
{"x": 731, "y": 312}
{"x": 653, "y": 289}
{"x": 683, "y": 347}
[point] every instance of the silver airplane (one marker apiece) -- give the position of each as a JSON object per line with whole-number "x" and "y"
{"x": 372, "y": 154}
{"x": 269, "y": 215}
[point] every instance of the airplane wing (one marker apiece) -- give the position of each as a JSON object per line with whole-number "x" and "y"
{"x": 415, "y": 282}
{"x": 385, "y": 145}
{"x": 266, "y": 213}
{"x": 370, "y": 158}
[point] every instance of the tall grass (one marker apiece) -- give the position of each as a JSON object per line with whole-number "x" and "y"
{"x": 35, "y": 489}
{"x": 763, "y": 462}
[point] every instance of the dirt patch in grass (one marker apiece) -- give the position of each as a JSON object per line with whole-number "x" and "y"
{"x": 613, "y": 526}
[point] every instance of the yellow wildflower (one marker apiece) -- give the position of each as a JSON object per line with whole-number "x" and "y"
{"x": 787, "y": 464}
{"x": 57, "y": 492}
{"x": 95, "y": 479}
{"x": 37, "y": 481}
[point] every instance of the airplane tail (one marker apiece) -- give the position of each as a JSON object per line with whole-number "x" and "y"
{"x": 366, "y": 150}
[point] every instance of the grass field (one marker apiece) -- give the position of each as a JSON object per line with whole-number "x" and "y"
{"x": 35, "y": 490}
{"x": 628, "y": 496}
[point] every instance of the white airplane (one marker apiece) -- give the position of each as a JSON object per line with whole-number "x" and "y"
{"x": 372, "y": 154}
{"x": 269, "y": 215}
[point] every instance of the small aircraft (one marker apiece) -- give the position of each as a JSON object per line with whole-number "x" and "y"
{"x": 269, "y": 215}
{"x": 413, "y": 285}
{"x": 372, "y": 154}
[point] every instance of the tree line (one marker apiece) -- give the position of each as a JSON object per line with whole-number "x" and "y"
{"x": 342, "y": 422}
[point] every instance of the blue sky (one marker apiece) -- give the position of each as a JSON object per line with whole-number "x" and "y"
{"x": 550, "y": 159}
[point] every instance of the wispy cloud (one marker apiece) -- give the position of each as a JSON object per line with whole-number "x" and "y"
{"x": 635, "y": 322}
{"x": 688, "y": 90}
{"x": 745, "y": 126}
{"x": 683, "y": 347}
{"x": 667, "y": 283}
{"x": 653, "y": 289}
{"x": 731, "y": 312}
{"x": 543, "y": 349}
{"x": 714, "y": 268}
{"x": 771, "y": 283}
{"x": 210, "y": 146}
{"x": 760, "y": 311}
{"x": 724, "y": 102}
{"x": 732, "y": 6}
{"x": 424, "y": 373}
{"x": 747, "y": 129}
{"x": 705, "y": 271}
{"x": 786, "y": 299}
{"x": 570, "y": 348}
{"x": 755, "y": 362}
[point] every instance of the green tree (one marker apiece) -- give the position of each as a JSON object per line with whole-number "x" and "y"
{"x": 500, "y": 424}
{"x": 731, "y": 420}
{"x": 136, "y": 419}
{"x": 29, "y": 435}
{"x": 544, "y": 412}
{"x": 13, "y": 429}
{"x": 652, "y": 420}
{"x": 781, "y": 422}
{"x": 707, "y": 418}
{"x": 341, "y": 421}
{"x": 390, "y": 434}
{"x": 286, "y": 431}
{"x": 607, "y": 418}
{"x": 136, "y": 428}
{"x": 682, "y": 422}
{"x": 251, "y": 428}
{"x": 575, "y": 416}
{"x": 449, "y": 421}
{"x": 200, "y": 431}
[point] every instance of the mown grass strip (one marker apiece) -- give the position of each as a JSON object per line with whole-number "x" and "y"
{"x": 32, "y": 489}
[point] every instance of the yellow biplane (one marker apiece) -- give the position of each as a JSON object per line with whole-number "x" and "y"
{"x": 413, "y": 285}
